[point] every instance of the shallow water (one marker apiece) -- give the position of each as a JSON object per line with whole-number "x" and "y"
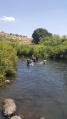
{"x": 39, "y": 88}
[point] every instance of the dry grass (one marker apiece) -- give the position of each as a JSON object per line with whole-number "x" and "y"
{"x": 15, "y": 38}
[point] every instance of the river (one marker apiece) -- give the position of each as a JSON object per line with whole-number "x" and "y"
{"x": 39, "y": 88}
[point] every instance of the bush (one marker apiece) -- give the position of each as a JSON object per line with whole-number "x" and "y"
{"x": 8, "y": 59}
{"x": 11, "y": 72}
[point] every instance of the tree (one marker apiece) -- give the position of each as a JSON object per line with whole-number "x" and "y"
{"x": 40, "y": 32}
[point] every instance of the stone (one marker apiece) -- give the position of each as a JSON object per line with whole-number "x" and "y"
{"x": 42, "y": 118}
{"x": 16, "y": 117}
{"x": 7, "y": 81}
{"x": 9, "y": 107}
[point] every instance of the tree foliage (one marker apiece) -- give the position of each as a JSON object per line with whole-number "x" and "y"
{"x": 40, "y": 32}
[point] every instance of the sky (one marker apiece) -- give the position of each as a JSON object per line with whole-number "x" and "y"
{"x": 22, "y": 17}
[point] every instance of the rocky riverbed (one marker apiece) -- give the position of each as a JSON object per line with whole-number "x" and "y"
{"x": 9, "y": 109}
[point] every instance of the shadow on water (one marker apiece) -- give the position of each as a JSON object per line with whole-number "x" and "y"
{"x": 39, "y": 88}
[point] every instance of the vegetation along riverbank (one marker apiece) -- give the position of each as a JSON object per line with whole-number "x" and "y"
{"x": 42, "y": 43}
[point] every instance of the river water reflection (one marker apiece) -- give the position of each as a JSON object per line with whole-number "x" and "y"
{"x": 39, "y": 88}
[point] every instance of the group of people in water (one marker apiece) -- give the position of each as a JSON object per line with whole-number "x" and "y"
{"x": 31, "y": 60}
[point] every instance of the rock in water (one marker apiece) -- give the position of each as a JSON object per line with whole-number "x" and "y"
{"x": 7, "y": 81}
{"x": 9, "y": 107}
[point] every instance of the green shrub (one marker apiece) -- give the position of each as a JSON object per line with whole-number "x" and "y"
{"x": 11, "y": 72}
{"x": 8, "y": 59}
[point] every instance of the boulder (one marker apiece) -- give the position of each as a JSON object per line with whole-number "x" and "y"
{"x": 15, "y": 117}
{"x": 9, "y": 107}
{"x": 23, "y": 113}
{"x": 33, "y": 115}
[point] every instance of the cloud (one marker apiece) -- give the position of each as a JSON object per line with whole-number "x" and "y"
{"x": 10, "y": 19}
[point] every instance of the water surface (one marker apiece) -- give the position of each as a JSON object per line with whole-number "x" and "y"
{"x": 39, "y": 88}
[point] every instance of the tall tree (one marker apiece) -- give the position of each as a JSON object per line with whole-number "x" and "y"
{"x": 40, "y": 32}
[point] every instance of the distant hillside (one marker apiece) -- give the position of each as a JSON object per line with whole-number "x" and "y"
{"x": 15, "y": 38}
